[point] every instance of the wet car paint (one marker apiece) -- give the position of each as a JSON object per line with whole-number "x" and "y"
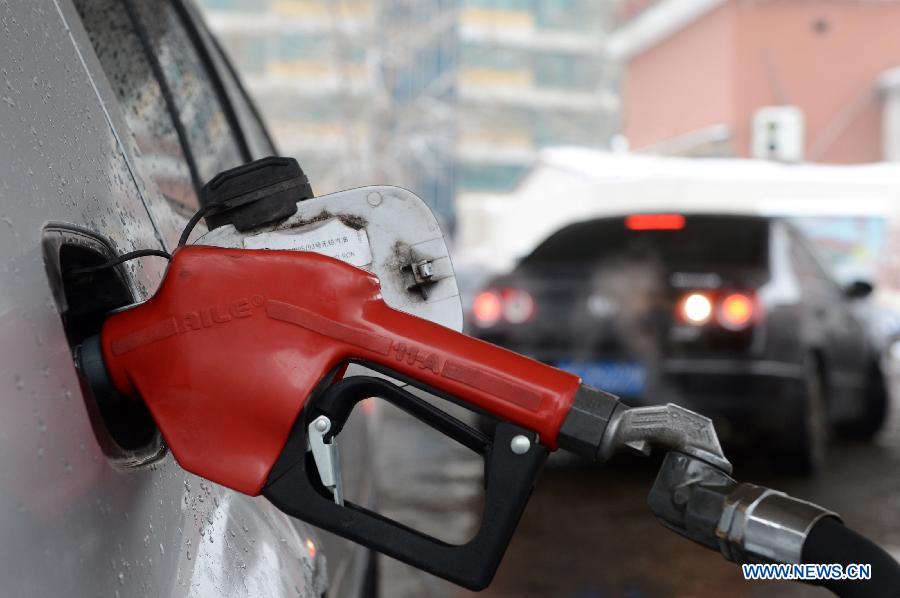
{"x": 72, "y": 523}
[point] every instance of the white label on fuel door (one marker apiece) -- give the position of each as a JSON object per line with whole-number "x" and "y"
{"x": 330, "y": 237}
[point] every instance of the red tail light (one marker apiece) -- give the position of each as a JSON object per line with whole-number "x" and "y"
{"x": 731, "y": 310}
{"x": 512, "y": 305}
{"x": 736, "y": 311}
{"x": 654, "y": 222}
{"x": 487, "y": 308}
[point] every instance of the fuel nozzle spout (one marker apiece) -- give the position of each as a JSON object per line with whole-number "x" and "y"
{"x": 598, "y": 426}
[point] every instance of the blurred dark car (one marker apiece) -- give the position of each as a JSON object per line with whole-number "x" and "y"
{"x": 733, "y": 316}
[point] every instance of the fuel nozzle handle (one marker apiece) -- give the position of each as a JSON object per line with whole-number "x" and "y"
{"x": 240, "y": 340}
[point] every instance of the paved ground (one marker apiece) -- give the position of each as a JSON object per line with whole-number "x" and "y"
{"x": 587, "y": 532}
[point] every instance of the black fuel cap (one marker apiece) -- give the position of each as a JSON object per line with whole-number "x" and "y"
{"x": 262, "y": 192}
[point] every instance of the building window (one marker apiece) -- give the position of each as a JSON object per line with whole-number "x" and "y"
{"x": 500, "y": 4}
{"x": 566, "y": 71}
{"x": 576, "y": 15}
{"x": 489, "y": 177}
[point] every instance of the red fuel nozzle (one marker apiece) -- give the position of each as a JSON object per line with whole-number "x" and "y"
{"x": 234, "y": 342}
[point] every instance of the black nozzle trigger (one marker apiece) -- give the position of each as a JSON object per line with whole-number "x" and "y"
{"x": 295, "y": 488}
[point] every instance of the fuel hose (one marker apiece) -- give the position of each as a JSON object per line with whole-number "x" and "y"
{"x": 760, "y": 527}
{"x": 830, "y": 541}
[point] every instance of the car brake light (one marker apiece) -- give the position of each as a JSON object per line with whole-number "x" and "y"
{"x": 518, "y": 306}
{"x": 654, "y": 222}
{"x": 732, "y": 310}
{"x": 696, "y": 308}
{"x": 513, "y": 305}
{"x": 487, "y": 308}
{"x": 736, "y": 311}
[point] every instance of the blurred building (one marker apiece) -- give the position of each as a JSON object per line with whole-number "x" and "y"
{"x": 629, "y": 9}
{"x": 359, "y": 91}
{"x": 440, "y": 96}
{"x": 416, "y": 125}
{"x": 306, "y": 64}
{"x": 532, "y": 73}
{"x": 790, "y": 80}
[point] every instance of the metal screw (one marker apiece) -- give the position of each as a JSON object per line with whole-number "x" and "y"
{"x": 322, "y": 424}
{"x": 520, "y": 444}
{"x": 426, "y": 269}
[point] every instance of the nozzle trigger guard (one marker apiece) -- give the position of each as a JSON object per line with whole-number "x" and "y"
{"x": 510, "y": 474}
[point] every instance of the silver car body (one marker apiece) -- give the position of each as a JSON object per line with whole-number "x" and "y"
{"x": 74, "y": 519}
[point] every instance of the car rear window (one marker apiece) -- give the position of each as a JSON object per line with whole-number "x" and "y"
{"x": 681, "y": 242}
